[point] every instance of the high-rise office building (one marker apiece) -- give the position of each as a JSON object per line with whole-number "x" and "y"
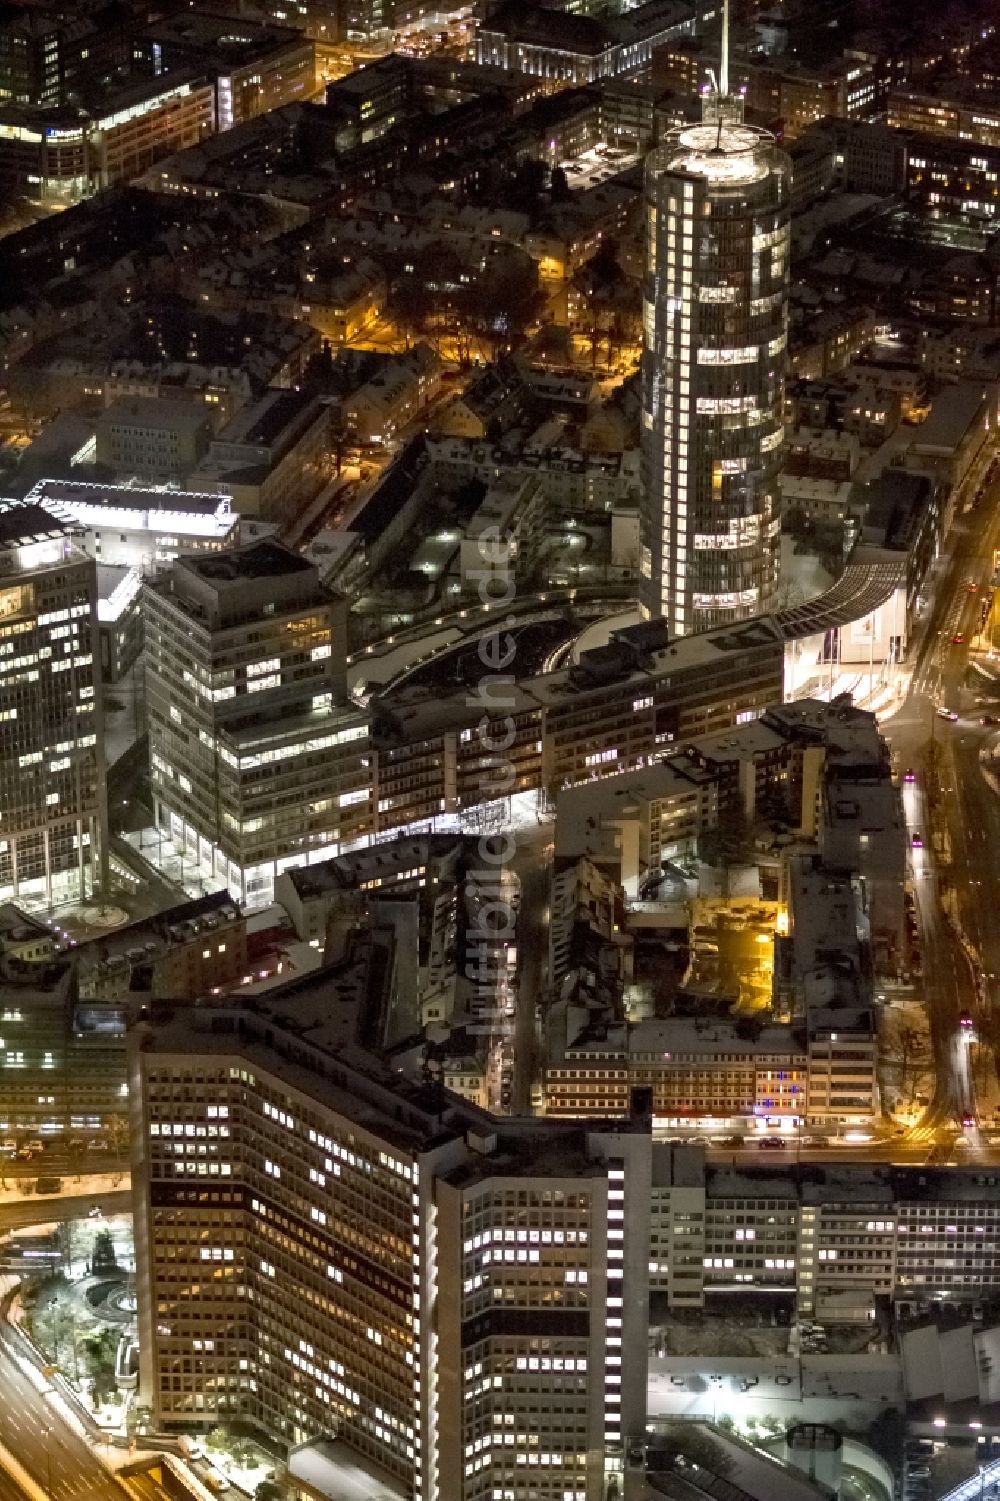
{"x": 325, "y": 1246}
{"x": 245, "y": 685}
{"x": 714, "y": 348}
{"x": 52, "y": 783}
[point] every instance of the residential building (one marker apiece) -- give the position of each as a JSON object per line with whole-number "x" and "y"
{"x": 257, "y": 761}
{"x": 714, "y": 351}
{"x": 382, "y": 407}
{"x": 52, "y": 780}
{"x": 342, "y": 300}
{"x": 326, "y": 1245}
{"x": 193, "y": 950}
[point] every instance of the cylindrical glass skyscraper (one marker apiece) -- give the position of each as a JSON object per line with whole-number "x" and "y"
{"x": 715, "y": 328}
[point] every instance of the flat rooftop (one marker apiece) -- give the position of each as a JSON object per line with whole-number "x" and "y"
{"x": 231, "y": 39}
{"x": 22, "y": 522}
{"x": 953, "y": 411}
{"x": 676, "y": 1038}
{"x": 264, "y": 559}
{"x": 78, "y": 493}
{"x": 153, "y": 412}
{"x": 587, "y": 813}
{"x": 346, "y": 872}
{"x": 265, "y": 421}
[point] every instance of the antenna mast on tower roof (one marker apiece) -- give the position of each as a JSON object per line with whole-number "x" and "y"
{"x": 724, "y": 59}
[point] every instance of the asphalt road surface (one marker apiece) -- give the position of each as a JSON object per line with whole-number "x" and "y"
{"x": 10, "y": 1490}
{"x": 952, "y": 797}
{"x": 55, "y": 1457}
{"x": 56, "y": 1163}
{"x": 54, "y": 1209}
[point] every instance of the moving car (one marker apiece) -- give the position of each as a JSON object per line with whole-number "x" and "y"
{"x": 958, "y": 639}
{"x": 909, "y": 775}
{"x": 917, "y": 841}
{"x": 965, "y": 1020}
{"x": 943, "y": 713}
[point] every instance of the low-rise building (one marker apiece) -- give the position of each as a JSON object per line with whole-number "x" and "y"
{"x": 901, "y": 518}
{"x": 185, "y": 953}
{"x": 152, "y": 439}
{"x": 342, "y": 302}
{"x": 513, "y": 509}
{"x": 957, "y": 441}
{"x": 271, "y": 457}
{"x": 966, "y": 112}
{"x": 822, "y": 975}
{"x": 825, "y": 502}
{"x": 124, "y": 526}
{"x": 824, "y": 453}
{"x": 377, "y": 412}
{"x": 827, "y": 1241}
